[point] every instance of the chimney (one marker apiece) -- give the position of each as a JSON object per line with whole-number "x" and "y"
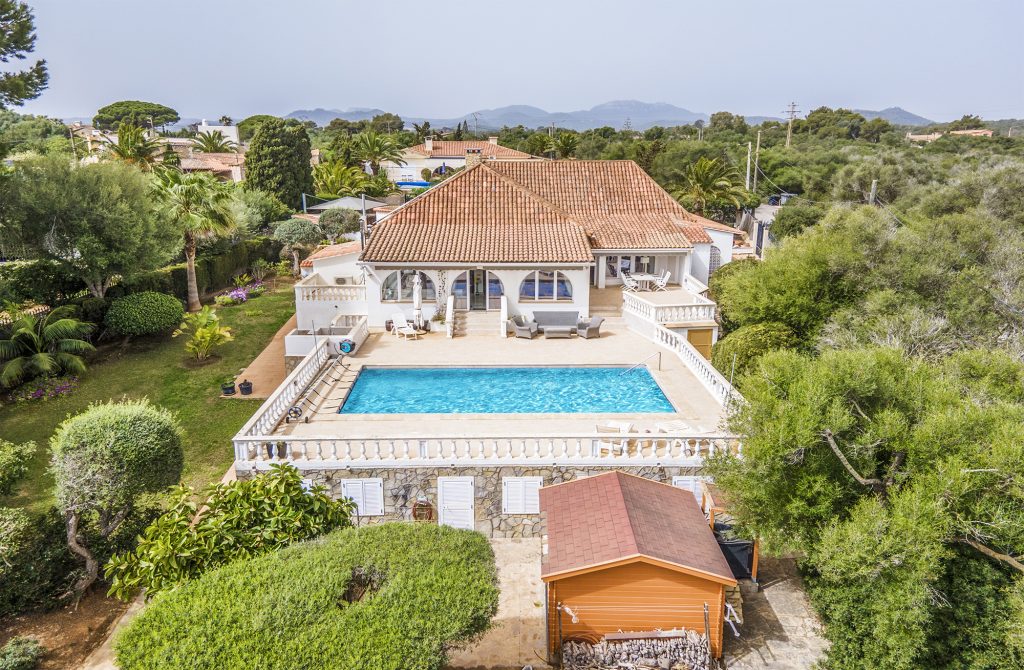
{"x": 429, "y": 143}
{"x": 473, "y": 157}
{"x": 492, "y": 139}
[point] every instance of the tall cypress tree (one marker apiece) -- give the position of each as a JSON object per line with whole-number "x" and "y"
{"x": 278, "y": 161}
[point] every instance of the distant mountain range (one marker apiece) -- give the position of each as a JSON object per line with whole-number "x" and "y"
{"x": 896, "y": 115}
{"x": 639, "y": 115}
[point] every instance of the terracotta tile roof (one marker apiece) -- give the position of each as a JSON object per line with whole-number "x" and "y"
{"x": 608, "y": 197}
{"x": 457, "y": 149}
{"x": 478, "y": 217}
{"x": 212, "y": 162}
{"x": 330, "y": 251}
{"x": 479, "y": 214}
{"x": 615, "y": 516}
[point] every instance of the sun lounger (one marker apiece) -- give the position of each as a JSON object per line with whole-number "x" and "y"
{"x": 401, "y": 328}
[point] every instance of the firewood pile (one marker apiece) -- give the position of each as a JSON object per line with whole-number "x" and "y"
{"x": 687, "y": 650}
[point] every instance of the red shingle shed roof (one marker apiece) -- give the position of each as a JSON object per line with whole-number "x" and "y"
{"x": 332, "y": 250}
{"x": 616, "y": 518}
{"x": 457, "y": 149}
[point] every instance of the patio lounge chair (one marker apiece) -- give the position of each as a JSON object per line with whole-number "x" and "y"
{"x": 589, "y": 329}
{"x": 522, "y": 327}
{"x": 613, "y": 446}
{"x": 401, "y": 328}
{"x": 661, "y": 282}
{"x": 629, "y": 284}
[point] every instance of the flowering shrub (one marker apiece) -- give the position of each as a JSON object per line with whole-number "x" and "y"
{"x": 241, "y": 294}
{"x": 44, "y": 388}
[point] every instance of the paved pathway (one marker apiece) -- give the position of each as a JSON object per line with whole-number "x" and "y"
{"x": 266, "y": 372}
{"x": 517, "y": 637}
{"x": 780, "y": 630}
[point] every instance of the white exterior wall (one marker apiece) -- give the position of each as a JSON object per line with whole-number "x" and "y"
{"x": 338, "y": 266}
{"x": 311, "y": 314}
{"x": 414, "y": 166}
{"x": 723, "y": 240}
{"x": 701, "y": 260}
{"x": 379, "y": 311}
{"x": 229, "y": 132}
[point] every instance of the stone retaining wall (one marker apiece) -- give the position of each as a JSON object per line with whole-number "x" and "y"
{"x": 404, "y": 486}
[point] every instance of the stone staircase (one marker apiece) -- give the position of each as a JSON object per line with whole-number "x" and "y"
{"x": 477, "y": 323}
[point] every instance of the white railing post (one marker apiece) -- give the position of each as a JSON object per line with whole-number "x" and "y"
{"x": 503, "y": 325}
{"x": 449, "y": 316}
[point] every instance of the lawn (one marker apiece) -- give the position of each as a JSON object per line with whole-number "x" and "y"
{"x": 158, "y": 369}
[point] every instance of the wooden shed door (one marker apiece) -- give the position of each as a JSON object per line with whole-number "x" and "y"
{"x": 700, "y": 338}
{"x": 455, "y": 502}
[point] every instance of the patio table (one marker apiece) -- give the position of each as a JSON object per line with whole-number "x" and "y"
{"x": 644, "y": 279}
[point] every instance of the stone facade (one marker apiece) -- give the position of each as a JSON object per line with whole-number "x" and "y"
{"x": 403, "y": 487}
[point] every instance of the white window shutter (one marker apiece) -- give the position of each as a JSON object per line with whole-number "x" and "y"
{"x": 531, "y": 495}
{"x": 373, "y": 497}
{"x": 353, "y": 488}
{"x": 506, "y": 484}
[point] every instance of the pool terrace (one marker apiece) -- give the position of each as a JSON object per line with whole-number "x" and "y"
{"x": 316, "y": 435}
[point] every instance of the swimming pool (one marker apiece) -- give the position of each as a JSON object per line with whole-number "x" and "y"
{"x": 564, "y": 390}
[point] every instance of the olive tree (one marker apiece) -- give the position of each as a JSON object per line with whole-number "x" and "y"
{"x": 104, "y": 460}
{"x": 298, "y": 234}
{"x": 334, "y": 223}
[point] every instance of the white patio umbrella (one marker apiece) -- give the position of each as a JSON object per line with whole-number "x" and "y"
{"x": 417, "y": 300}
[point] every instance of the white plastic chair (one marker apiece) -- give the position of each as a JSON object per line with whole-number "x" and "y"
{"x": 629, "y": 284}
{"x": 662, "y": 282}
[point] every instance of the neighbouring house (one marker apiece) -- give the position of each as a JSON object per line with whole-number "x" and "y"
{"x": 436, "y": 285}
{"x": 441, "y": 157}
{"x": 224, "y": 166}
{"x": 629, "y": 556}
{"x": 931, "y": 137}
{"x": 230, "y": 133}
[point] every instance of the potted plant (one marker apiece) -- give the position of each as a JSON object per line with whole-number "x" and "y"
{"x": 227, "y": 387}
{"x": 245, "y": 387}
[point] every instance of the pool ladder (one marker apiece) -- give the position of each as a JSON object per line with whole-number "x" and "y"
{"x": 656, "y": 353}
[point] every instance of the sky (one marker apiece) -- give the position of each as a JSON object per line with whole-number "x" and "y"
{"x": 446, "y": 58}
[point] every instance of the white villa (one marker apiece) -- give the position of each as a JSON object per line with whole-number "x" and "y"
{"x": 502, "y": 239}
{"x": 440, "y": 156}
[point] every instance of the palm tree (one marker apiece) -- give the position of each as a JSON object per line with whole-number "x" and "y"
{"x": 134, "y": 146}
{"x": 565, "y": 144}
{"x": 226, "y": 121}
{"x": 213, "y": 142}
{"x": 708, "y": 182}
{"x": 335, "y": 180}
{"x": 371, "y": 147}
{"x": 422, "y": 130}
{"x": 201, "y": 206}
{"x": 46, "y": 346}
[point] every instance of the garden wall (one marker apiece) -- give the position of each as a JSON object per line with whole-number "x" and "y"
{"x": 403, "y": 486}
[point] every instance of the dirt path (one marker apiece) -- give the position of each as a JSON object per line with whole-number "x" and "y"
{"x": 69, "y": 636}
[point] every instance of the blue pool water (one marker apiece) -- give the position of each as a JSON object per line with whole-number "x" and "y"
{"x": 505, "y": 391}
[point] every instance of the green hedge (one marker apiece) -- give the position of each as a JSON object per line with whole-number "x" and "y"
{"x": 436, "y": 589}
{"x": 213, "y": 272}
{"x": 42, "y": 282}
{"x": 20, "y": 653}
{"x": 145, "y": 313}
{"x": 36, "y": 567}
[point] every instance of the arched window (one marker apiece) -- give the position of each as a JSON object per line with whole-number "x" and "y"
{"x": 397, "y": 287}
{"x": 715, "y": 261}
{"x": 545, "y": 285}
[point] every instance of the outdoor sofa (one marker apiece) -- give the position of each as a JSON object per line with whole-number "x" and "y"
{"x": 556, "y": 324}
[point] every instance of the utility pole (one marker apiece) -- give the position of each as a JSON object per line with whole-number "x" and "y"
{"x": 748, "y": 164}
{"x": 757, "y": 159}
{"x": 791, "y": 112}
{"x": 874, "y": 192}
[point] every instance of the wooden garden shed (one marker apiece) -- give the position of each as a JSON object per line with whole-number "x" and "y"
{"x": 629, "y": 554}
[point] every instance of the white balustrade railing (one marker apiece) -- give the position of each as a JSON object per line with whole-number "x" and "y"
{"x": 633, "y": 449}
{"x": 276, "y": 406}
{"x": 449, "y": 317}
{"x": 694, "y": 285}
{"x": 503, "y": 318}
{"x": 325, "y": 293}
{"x": 700, "y": 310}
{"x": 717, "y": 385}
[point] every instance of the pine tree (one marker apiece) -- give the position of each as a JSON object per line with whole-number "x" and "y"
{"x": 17, "y": 38}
